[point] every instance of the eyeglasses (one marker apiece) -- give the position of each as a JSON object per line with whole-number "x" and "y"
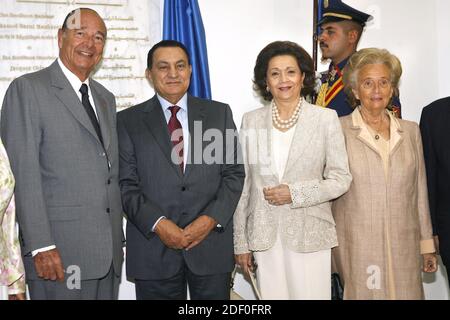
{"x": 369, "y": 84}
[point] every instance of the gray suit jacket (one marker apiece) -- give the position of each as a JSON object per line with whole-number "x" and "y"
{"x": 153, "y": 186}
{"x": 66, "y": 195}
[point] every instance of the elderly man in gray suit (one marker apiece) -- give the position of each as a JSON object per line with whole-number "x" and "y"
{"x": 179, "y": 190}
{"x": 59, "y": 129}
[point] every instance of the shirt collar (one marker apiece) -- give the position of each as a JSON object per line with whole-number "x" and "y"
{"x": 359, "y": 122}
{"x": 166, "y": 104}
{"x": 74, "y": 81}
{"x": 341, "y": 65}
{"x": 395, "y": 129}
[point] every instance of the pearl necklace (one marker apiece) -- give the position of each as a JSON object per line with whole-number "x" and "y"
{"x": 289, "y": 123}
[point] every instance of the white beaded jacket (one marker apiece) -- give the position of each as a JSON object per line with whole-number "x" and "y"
{"x": 316, "y": 172}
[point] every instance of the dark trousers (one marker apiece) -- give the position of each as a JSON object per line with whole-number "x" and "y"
{"x": 106, "y": 288}
{"x": 209, "y": 287}
{"x": 446, "y": 262}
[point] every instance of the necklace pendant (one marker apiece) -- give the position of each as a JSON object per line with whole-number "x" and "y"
{"x": 377, "y": 137}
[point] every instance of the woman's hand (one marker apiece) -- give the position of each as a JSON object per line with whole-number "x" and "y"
{"x": 244, "y": 261}
{"x": 278, "y": 196}
{"x": 17, "y": 296}
{"x": 429, "y": 262}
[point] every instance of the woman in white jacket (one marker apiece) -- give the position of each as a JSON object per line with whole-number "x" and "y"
{"x": 296, "y": 163}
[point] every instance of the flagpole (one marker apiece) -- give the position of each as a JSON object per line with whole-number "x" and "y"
{"x": 315, "y": 36}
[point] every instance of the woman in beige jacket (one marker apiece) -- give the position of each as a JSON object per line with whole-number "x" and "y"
{"x": 383, "y": 222}
{"x": 295, "y": 161}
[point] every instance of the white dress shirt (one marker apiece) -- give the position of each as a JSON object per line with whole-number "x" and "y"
{"x": 182, "y": 116}
{"x": 281, "y": 145}
{"x": 76, "y": 83}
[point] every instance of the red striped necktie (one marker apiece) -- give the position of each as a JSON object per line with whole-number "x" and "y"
{"x": 176, "y": 136}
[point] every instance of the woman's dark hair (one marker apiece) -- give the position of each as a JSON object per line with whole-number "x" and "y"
{"x": 281, "y": 48}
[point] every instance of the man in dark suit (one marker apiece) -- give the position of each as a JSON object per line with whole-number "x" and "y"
{"x": 178, "y": 194}
{"x": 435, "y": 129}
{"x": 59, "y": 129}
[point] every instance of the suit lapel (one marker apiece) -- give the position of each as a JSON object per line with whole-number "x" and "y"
{"x": 363, "y": 135}
{"x": 265, "y": 148}
{"x": 156, "y": 123}
{"x": 396, "y": 135}
{"x": 307, "y": 123}
{"x": 65, "y": 93}
{"x": 195, "y": 114}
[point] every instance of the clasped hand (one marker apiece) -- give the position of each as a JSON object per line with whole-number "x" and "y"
{"x": 278, "y": 196}
{"x": 48, "y": 265}
{"x": 177, "y": 238}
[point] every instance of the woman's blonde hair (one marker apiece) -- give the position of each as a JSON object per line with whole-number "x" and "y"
{"x": 370, "y": 56}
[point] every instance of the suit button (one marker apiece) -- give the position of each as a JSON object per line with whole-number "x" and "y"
{"x": 219, "y": 229}
{"x": 109, "y": 181}
{"x": 108, "y": 210}
{"x": 183, "y": 189}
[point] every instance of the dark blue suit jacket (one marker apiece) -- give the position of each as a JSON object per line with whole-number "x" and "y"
{"x": 435, "y": 128}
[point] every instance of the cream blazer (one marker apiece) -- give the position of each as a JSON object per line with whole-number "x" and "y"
{"x": 383, "y": 225}
{"x": 316, "y": 172}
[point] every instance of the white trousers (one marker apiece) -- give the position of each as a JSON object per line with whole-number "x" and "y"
{"x": 283, "y": 274}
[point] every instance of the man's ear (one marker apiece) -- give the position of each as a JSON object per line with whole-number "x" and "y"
{"x": 60, "y": 36}
{"x": 148, "y": 75}
{"x": 353, "y": 36}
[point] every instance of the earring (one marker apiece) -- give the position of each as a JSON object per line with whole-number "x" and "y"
{"x": 267, "y": 89}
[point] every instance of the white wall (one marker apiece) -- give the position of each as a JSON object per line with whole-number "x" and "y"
{"x": 415, "y": 30}
{"x": 236, "y": 31}
{"x": 408, "y": 29}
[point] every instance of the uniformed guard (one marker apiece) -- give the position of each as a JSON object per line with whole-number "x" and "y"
{"x": 341, "y": 27}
